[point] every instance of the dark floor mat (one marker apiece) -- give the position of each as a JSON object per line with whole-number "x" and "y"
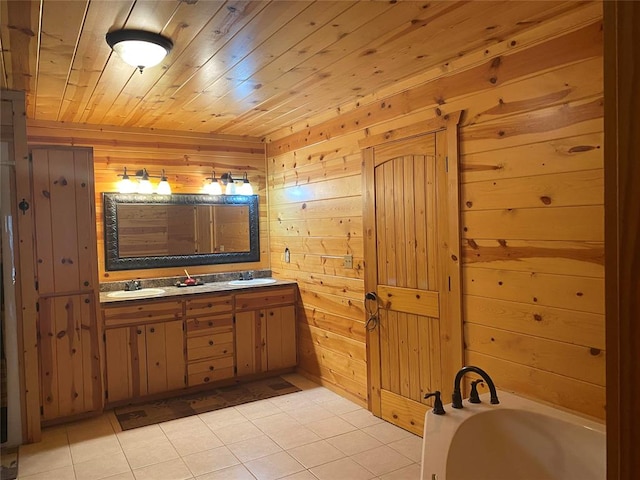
{"x": 172, "y": 408}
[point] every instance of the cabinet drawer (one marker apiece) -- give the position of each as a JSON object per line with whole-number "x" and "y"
{"x": 209, "y": 325}
{"x": 204, "y": 305}
{"x": 140, "y": 313}
{"x": 210, "y": 346}
{"x": 209, "y": 371}
{"x": 265, "y": 297}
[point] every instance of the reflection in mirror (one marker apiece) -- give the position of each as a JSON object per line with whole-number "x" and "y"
{"x": 143, "y": 231}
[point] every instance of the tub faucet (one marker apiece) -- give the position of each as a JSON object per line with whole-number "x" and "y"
{"x": 457, "y": 395}
{"x": 133, "y": 285}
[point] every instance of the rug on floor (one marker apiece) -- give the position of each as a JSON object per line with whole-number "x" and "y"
{"x": 9, "y": 463}
{"x": 135, "y": 416}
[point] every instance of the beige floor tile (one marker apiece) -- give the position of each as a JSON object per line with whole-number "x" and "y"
{"x": 253, "y": 448}
{"x": 386, "y": 432}
{"x": 361, "y": 418}
{"x": 237, "y": 432}
{"x": 41, "y": 457}
{"x": 309, "y": 413}
{"x": 141, "y": 437}
{"x": 381, "y": 460}
{"x": 102, "y": 467}
{"x": 90, "y": 428}
{"x": 274, "y": 466}
{"x": 292, "y": 437}
{"x": 122, "y": 476}
{"x": 330, "y": 427}
{"x": 273, "y": 423}
{"x": 410, "y": 447}
{"x": 343, "y": 469}
{"x": 303, "y": 475}
{"x": 161, "y": 451}
{"x": 210, "y": 460}
{"x": 84, "y": 450}
{"x": 354, "y": 442}
{"x": 237, "y": 472}
{"x": 64, "y": 473}
{"x": 171, "y": 470}
{"x": 197, "y": 440}
{"x": 222, "y": 418}
{"x": 182, "y": 425}
{"x": 258, "y": 409}
{"x": 290, "y": 401}
{"x": 412, "y": 471}
{"x": 340, "y": 406}
{"x": 315, "y": 454}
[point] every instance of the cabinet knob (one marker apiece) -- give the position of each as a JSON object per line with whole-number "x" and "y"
{"x": 210, "y": 342}
{"x": 206, "y": 379}
{"x": 86, "y": 284}
{"x": 86, "y": 300}
{"x": 152, "y": 330}
{"x": 139, "y": 332}
{"x": 211, "y": 324}
{"x": 211, "y": 368}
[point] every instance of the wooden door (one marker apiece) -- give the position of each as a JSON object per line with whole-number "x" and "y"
{"x": 281, "y": 337}
{"x": 126, "y": 363}
{"x": 165, "y": 357}
{"x": 251, "y": 354}
{"x": 69, "y": 365}
{"x": 407, "y": 223}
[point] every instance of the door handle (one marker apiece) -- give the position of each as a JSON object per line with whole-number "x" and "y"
{"x": 372, "y": 311}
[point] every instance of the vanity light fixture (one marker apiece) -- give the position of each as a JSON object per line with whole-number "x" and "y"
{"x": 228, "y": 185}
{"x": 139, "y": 48}
{"x": 143, "y": 184}
{"x": 213, "y": 187}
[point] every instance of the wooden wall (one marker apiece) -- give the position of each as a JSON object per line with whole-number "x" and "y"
{"x": 531, "y": 213}
{"x": 187, "y": 158}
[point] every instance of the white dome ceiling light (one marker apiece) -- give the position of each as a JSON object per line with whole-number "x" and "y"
{"x": 139, "y": 48}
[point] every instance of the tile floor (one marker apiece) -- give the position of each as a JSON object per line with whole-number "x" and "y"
{"x": 312, "y": 434}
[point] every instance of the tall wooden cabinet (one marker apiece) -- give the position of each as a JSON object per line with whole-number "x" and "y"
{"x": 66, "y": 281}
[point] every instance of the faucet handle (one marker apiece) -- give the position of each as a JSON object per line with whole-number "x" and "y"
{"x": 438, "y": 409}
{"x": 473, "y": 396}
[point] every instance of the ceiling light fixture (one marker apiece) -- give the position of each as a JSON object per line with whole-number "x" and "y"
{"x": 139, "y": 48}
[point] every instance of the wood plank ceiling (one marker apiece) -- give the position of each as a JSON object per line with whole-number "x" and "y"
{"x": 238, "y": 67}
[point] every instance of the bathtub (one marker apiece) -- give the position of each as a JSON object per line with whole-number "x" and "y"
{"x": 518, "y": 439}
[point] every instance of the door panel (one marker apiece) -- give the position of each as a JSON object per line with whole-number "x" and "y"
{"x": 407, "y": 196}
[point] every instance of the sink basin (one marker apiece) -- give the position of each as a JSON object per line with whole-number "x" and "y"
{"x": 253, "y": 281}
{"x": 142, "y": 293}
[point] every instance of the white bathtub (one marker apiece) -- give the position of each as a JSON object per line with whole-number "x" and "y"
{"x": 516, "y": 440}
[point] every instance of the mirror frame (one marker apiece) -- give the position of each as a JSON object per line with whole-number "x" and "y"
{"x": 113, "y": 262}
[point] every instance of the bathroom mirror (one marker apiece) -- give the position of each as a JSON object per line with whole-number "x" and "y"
{"x": 155, "y": 231}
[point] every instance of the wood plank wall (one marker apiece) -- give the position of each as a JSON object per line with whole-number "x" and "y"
{"x": 531, "y": 213}
{"x": 187, "y": 158}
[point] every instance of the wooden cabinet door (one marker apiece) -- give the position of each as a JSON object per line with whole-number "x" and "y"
{"x": 69, "y": 361}
{"x": 64, "y": 210}
{"x": 126, "y": 363}
{"x": 281, "y": 337}
{"x": 165, "y": 357}
{"x": 251, "y": 353}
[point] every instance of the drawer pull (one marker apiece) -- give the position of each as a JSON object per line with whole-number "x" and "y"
{"x": 224, "y": 351}
{"x": 209, "y": 305}
{"x": 211, "y": 324}
{"x": 210, "y": 342}
{"x": 211, "y": 368}
{"x": 206, "y": 379}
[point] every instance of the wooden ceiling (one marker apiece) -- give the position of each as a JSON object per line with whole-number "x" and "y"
{"x": 238, "y": 67}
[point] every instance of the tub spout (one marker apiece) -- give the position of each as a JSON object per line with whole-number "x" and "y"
{"x": 438, "y": 409}
{"x": 457, "y": 395}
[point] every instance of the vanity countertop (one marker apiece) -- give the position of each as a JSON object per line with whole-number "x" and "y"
{"x": 173, "y": 291}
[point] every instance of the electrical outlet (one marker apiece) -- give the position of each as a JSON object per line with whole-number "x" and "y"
{"x": 348, "y": 261}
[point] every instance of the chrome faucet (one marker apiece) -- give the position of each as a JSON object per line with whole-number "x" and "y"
{"x": 133, "y": 285}
{"x": 456, "y": 401}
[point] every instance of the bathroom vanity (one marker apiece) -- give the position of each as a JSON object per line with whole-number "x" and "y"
{"x": 184, "y": 338}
